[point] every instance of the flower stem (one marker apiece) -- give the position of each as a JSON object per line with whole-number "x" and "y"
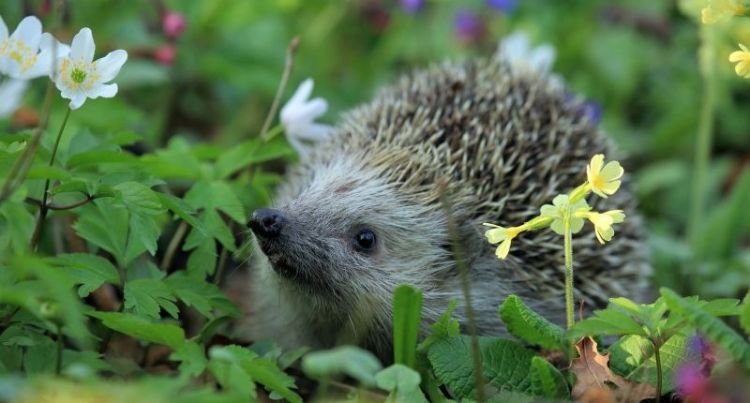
{"x": 702, "y": 155}
{"x": 657, "y": 358}
{"x": 43, "y": 209}
{"x": 21, "y": 167}
{"x": 568, "y": 241}
{"x": 290, "y": 50}
{"x": 174, "y": 243}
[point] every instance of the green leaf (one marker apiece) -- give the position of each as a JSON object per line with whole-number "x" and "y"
{"x": 216, "y": 195}
{"x": 139, "y": 198}
{"x": 143, "y": 234}
{"x": 16, "y": 227}
{"x": 745, "y": 315}
{"x": 225, "y": 365}
{"x": 352, "y": 361}
{"x": 610, "y": 321}
{"x": 506, "y": 365}
{"x": 90, "y": 271}
{"x": 633, "y": 358}
{"x": 142, "y": 329}
{"x": 202, "y": 261}
{"x": 547, "y": 381}
{"x": 250, "y": 152}
{"x": 529, "y": 326}
{"x": 722, "y": 231}
{"x": 201, "y": 295}
{"x": 716, "y": 330}
{"x": 44, "y": 171}
{"x": 180, "y": 208}
{"x": 191, "y": 357}
{"x": 407, "y": 312}
{"x": 100, "y": 157}
{"x": 106, "y": 226}
{"x": 402, "y": 382}
{"x": 147, "y": 296}
{"x": 445, "y": 327}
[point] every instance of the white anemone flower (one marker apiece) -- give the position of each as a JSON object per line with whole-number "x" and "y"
{"x": 298, "y": 118}
{"x": 79, "y": 76}
{"x": 27, "y": 53}
{"x": 11, "y": 93}
{"x": 516, "y": 49}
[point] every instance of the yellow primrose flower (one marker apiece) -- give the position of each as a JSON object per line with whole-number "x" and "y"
{"x": 718, "y": 10}
{"x": 603, "y": 180}
{"x": 603, "y": 223}
{"x": 502, "y": 235}
{"x": 561, "y": 207}
{"x": 742, "y": 58}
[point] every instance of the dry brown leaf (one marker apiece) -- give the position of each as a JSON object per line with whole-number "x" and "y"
{"x": 596, "y": 383}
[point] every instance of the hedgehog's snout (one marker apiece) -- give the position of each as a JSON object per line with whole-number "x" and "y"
{"x": 267, "y": 222}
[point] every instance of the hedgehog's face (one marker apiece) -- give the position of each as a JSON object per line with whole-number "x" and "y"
{"x": 338, "y": 228}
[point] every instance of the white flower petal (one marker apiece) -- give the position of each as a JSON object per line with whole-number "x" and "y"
{"x": 82, "y": 48}
{"x": 29, "y": 31}
{"x": 77, "y": 100}
{"x": 52, "y": 45}
{"x": 108, "y": 66}
{"x": 315, "y": 132}
{"x": 11, "y": 94}
{"x": 308, "y": 111}
{"x": 302, "y": 93}
{"x": 102, "y": 90}
{"x": 542, "y": 58}
{"x": 298, "y": 146}
{"x": 515, "y": 47}
{"x": 42, "y": 66}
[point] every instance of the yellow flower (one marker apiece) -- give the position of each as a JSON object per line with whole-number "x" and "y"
{"x": 502, "y": 235}
{"x": 561, "y": 207}
{"x": 603, "y": 181}
{"x": 603, "y": 223}
{"x": 718, "y": 10}
{"x": 742, "y": 58}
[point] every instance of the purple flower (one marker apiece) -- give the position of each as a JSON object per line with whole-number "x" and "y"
{"x": 691, "y": 382}
{"x": 505, "y": 6}
{"x": 700, "y": 350}
{"x": 468, "y": 26}
{"x": 593, "y": 111}
{"x": 412, "y": 6}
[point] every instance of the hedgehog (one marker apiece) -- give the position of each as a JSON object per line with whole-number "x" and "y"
{"x": 364, "y": 212}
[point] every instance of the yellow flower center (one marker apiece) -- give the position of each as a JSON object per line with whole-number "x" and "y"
{"x": 20, "y": 53}
{"x": 597, "y": 182}
{"x": 78, "y": 75}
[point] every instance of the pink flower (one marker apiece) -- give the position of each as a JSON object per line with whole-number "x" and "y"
{"x": 173, "y": 24}
{"x": 692, "y": 383}
{"x": 165, "y": 54}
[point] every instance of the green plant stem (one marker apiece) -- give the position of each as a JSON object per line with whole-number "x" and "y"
{"x": 174, "y": 243}
{"x": 20, "y": 168}
{"x": 657, "y": 358}
{"x": 702, "y": 157}
{"x": 463, "y": 273}
{"x": 59, "y": 358}
{"x": 568, "y": 241}
{"x": 43, "y": 209}
{"x": 290, "y": 50}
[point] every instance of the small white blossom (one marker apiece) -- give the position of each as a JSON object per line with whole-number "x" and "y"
{"x": 516, "y": 49}
{"x": 79, "y": 76}
{"x": 11, "y": 93}
{"x": 298, "y": 118}
{"x": 27, "y": 53}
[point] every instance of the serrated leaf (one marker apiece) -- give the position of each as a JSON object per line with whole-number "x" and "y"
{"x": 407, "y": 312}
{"x": 106, "y": 226}
{"x": 249, "y": 152}
{"x": 352, "y": 361}
{"x": 139, "y": 198}
{"x": 202, "y": 260}
{"x": 445, "y": 327}
{"x": 224, "y": 364}
{"x": 191, "y": 357}
{"x": 547, "y": 381}
{"x": 218, "y": 229}
{"x": 522, "y": 322}
{"x": 142, "y": 329}
{"x": 148, "y": 296}
{"x": 506, "y": 365}
{"x": 199, "y": 294}
{"x": 608, "y": 321}
{"x": 716, "y": 330}
{"x": 633, "y": 358}
{"x": 216, "y": 195}
{"x": 16, "y": 227}
{"x": 143, "y": 234}
{"x": 180, "y": 208}
{"x": 402, "y": 382}
{"x": 90, "y": 271}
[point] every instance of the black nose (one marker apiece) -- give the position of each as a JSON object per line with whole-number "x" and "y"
{"x": 267, "y": 222}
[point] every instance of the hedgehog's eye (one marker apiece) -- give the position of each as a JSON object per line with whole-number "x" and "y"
{"x": 365, "y": 240}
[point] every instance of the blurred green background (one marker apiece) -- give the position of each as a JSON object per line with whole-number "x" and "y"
{"x": 636, "y": 61}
